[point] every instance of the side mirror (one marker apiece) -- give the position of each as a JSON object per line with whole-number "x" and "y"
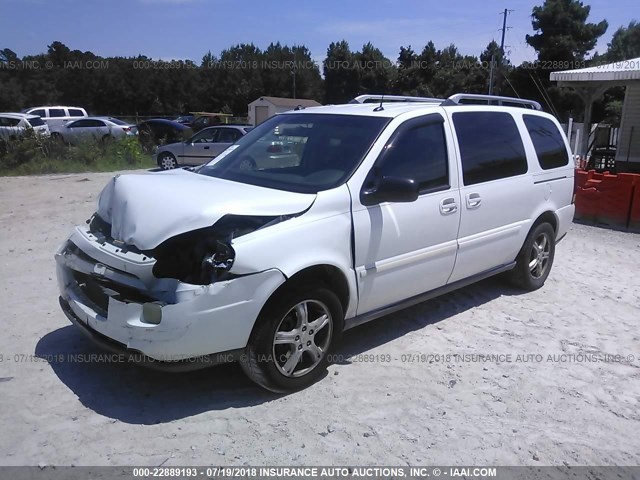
{"x": 390, "y": 189}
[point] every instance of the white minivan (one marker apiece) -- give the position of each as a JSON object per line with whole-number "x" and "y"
{"x": 375, "y": 207}
{"x": 57, "y": 116}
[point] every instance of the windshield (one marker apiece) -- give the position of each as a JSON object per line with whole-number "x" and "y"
{"x": 299, "y": 152}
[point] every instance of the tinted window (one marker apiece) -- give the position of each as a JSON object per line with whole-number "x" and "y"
{"x": 490, "y": 146}
{"x": 35, "y": 122}
{"x": 9, "y": 122}
{"x": 547, "y": 141}
{"x": 417, "y": 150}
{"x": 96, "y": 123}
{"x": 56, "y": 112}
{"x": 74, "y": 112}
{"x": 81, "y": 124}
{"x": 117, "y": 121}
{"x": 40, "y": 113}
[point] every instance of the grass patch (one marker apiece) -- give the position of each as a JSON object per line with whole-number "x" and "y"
{"x": 32, "y": 155}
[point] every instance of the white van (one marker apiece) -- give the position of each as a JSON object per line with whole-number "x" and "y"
{"x": 57, "y": 116}
{"x": 267, "y": 259}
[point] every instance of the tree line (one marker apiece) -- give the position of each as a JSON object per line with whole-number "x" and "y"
{"x": 561, "y": 35}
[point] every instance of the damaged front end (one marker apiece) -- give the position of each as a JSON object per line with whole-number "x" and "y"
{"x": 171, "y": 302}
{"x": 158, "y": 279}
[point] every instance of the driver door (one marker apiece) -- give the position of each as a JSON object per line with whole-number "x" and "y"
{"x": 199, "y": 149}
{"x": 404, "y": 249}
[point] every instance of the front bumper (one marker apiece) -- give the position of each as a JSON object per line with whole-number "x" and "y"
{"x": 138, "y": 358}
{"x": 114, "y": 295}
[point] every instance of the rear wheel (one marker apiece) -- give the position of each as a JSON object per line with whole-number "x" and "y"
{"x": 289, "y": 347}
{"x": 535, "y": 259}
{"x": 166, "y": 161}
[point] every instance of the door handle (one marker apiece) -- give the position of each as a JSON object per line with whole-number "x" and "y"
{"x": 206, "y": 148}
{"x": 448, "y": 206}
{"x": 473, "y": 200}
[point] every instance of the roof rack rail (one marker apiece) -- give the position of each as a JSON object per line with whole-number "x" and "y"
{"x": 475, "y": 99}
{"x": 393, "y": 98}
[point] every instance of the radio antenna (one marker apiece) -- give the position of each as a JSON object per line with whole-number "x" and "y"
{"x": 379, "y": 108}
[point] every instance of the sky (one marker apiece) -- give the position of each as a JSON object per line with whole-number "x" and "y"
{"x": 188, "y": 29}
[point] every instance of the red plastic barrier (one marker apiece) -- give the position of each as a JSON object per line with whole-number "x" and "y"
{"x": 608, "y": 199}
{"x": 580, "y": 179}
{"x": 634, "y": 214}
{"x": 587, "y": 204}
{"x": 616, "y": 196}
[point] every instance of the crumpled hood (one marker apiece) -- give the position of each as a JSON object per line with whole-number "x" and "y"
{"x": 144, "y": 210}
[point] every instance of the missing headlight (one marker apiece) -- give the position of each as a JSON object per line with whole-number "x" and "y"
{"x": 195, "y": 259}
{"x": 205, "y": 256}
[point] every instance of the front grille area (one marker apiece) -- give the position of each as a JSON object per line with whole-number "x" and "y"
{"x": 98, "y": 290}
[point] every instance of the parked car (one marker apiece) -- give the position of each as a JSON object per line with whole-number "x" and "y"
{"x": 16, "y": 125}
{"x": 207, "y": 119}
{"x": 57, "y": 116}
{"x": 202, "y": 147}
{"x": 388, "y": 205}
{"x": 159, "y": 131}
{"x": 186, "y": 120}
{"x": 91, "y": 129}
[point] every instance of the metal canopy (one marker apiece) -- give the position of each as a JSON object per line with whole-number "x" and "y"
{"x": 622, "y": 72}
{"x": 590, "y": 83}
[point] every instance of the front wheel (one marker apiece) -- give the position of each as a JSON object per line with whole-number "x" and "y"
{"x": 535, "y": 259}
{"x": 166, "y": 161}
{"x": 289, "y": 347}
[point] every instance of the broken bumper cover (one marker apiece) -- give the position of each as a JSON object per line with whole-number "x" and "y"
{"x": 138, "y": 358}
{"x": 204, "y": 320}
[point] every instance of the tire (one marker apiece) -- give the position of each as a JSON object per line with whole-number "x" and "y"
{"x": 535, "y": 259}
{"x": 166, "y": 161}
{"x": 57, "y": 137}
{"x": 308, "y": 324}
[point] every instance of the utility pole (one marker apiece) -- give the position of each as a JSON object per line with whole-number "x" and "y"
{"x": 293, "y": 72}
{"x": 294, "y": 83}
{"x": 493, "y": 60}
{"x": 501, "y": 58}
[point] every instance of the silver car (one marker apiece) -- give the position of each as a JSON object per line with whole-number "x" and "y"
{"x": 202, "y": 147}
{"x": 91, "y": 129}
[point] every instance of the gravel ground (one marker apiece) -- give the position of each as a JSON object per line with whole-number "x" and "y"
{"x": 413, "y": 388}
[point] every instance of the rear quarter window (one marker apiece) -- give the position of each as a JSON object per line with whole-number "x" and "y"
{"x": 75, "y": 112}
{"x": 490, "y": 146}
{"x": 547, "y": 142}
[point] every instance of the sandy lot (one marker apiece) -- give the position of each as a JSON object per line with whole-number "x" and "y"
{"x": 436, "y": 401}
